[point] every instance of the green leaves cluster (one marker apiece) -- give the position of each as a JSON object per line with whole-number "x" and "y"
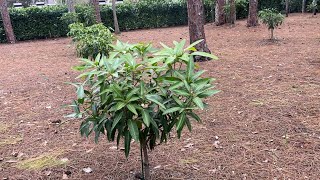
{"x": 140, "y": 93}
{"x": 91, "y": 40}
{"x": 271, "y": 18}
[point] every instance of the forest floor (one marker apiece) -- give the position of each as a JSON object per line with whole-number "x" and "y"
{"x": 265, "y": 123}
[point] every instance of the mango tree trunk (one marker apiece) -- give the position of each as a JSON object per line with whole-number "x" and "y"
{"x": 196, "y": 26}
{"x": 219, "y": 12}
{"x": 115, "y": 18}
{"x": 7, "y": 22}
{"x": 253, "y": 13}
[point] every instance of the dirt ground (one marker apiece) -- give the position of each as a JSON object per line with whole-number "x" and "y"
{"x": 266, "y": 119}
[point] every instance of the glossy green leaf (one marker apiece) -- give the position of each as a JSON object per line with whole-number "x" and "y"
{"x": 198, "y": 102}
{"x": 134, "y": 130}
{"x": 146, "y": 117}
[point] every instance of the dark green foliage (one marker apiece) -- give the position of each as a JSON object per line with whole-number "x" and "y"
{"x": 138, "y": 92}
{"x": 38, "y": 23}
{"x": 91, "y": 40}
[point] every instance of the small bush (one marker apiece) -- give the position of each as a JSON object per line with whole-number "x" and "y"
{"x": 92, "y": 40}
{"x": 271, "y": 18}
{"x": 136, "y": 92}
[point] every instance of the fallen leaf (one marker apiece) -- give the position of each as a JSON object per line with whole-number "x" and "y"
{"x": 87, "y": 170}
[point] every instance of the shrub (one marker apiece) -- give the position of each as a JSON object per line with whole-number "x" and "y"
{"x": 70, "y": 18}
{"x": 271, "y": 18}
{"x": 136, "y": 92}
{"x": 92, "y": 40}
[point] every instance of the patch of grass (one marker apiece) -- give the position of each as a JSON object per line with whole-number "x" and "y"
{"x": 3, "y": 127}
{"x": 41, "y": 162}
{"x": 188, "y": 161}
{"x": 257, "y": 103}
{"x": 10, "y": 141}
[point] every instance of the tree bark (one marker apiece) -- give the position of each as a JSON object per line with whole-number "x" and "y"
{"x": 71, "y": 8}
{"x": 7, "y": 22}
{"x": 314, "y": 2}
{"x": 272, "y": 36}
{"x": 303, "y": 6}
{"x": 196, "y": 26}
{"x": 287, "y": 8}
{"x": 219, "y": 12}
{"x": 97, "y": 10}
{"x": 253, "y": 13}
{"x": 145, "y": 164}
{"x": 233, "y": 13}
{"x": 115, "y": 18}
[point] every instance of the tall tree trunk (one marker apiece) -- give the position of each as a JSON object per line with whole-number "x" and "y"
{"x": 287, "y": 8}
{"x": 233, "y": 14}
{"x": 97, "y": 10}
{"x": 314, "y": 2}
{"x": 219, "y": 11}
{"x": 71, "y": 8}
{"x": 196, "y": 26}
{"x": 115, "y": 18}
{"x": 303, "y": 6}
{"x": 7, "y": 22}
{"x": 253, "y": 13}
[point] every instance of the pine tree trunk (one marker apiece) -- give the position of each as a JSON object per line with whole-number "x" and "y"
{"x": 71, "y": 8}
{"x": 287, "y": 8}
{"x": 303, "y": 6}
{"x": 233, "y": 13}
{"x": 97, "y": 10}
{"x": 7, "y": 22}
{"x": 253, "y": 13}
{"x": 196, "y": 26}
{"x": 219, "y": 12}
{"x": 115, "y": 18}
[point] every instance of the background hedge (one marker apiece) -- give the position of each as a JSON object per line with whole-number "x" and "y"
{"x": 39, "y": 23}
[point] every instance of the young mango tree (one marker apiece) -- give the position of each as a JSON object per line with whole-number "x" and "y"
{"x": 138, "y": 93}
{"x": 272, "y": 19}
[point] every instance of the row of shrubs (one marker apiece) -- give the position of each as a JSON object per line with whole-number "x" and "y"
{"x": 39, "y": 23}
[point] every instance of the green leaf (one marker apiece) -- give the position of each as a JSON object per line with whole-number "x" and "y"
{"x": 191, "y": 46}
{"x": 198, "y": 102}
{"x": 133, "y": 128}
{"x": 132, "y": 109}
{"x": 80, "y": 92}
{"x": 188, "y": 124}
{"x": 190, "y": 68}
{"x": 181, "y": 92}
{"x": 176, "y": 85}
{"x": 127, "y": 142}
{"x": 194, "y": 116}
{"x": 171, "y": 110}
{"x": 204, "y": 54}
{"x": 146, "y": 117}
{"x": 155, "y": 98}
{"x": 208, "y": 93}
{"x": 181, "y": 122}
{"x": 120, "y": 105}
{"x": 116, "y": 120}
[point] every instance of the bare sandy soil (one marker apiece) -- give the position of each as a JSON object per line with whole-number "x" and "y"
{"x": 267, "y": 117}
